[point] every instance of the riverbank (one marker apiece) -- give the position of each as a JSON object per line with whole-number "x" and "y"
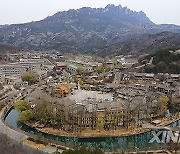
{"x": 67, "y": 139}
{"x": 6, "y": 130}
{"x": 88, "y": 133}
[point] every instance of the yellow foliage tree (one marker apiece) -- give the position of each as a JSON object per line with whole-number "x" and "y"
{"x": 100, "y": 123}
{"x": 162, "y": 105}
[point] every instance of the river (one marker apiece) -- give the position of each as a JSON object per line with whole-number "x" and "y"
{"x": 139, "y": 141}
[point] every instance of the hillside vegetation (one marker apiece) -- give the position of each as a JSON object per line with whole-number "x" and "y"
{"x": 163, "y": 62}
{"x": 7, "y": 48}
{"x": 146, "y": 44}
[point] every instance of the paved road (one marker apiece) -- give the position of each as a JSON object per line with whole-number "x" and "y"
{"x": 19, "y": 136}
{"x": 4, "y": 129}
{"x": 150, "y": 62}
{"x": 84, "y": 95}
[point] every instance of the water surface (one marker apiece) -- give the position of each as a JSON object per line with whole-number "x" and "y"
{"x": 135, "y": 141}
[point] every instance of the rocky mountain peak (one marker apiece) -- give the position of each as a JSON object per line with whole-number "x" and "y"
{"x": 110, "y": 12}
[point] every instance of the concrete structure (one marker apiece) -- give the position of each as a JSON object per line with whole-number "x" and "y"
{"x": 165, "y": 89}
{"x": 2, "y": 77}
{"x": 12, "y": 69}
{"x": 127, "y": 62}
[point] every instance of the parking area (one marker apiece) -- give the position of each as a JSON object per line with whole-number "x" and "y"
{"x": 82, "y": 95}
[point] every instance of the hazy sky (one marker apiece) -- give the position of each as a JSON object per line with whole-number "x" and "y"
{"x": 19, "y": 11}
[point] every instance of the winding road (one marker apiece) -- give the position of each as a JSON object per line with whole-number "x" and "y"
{"x": 11, "y": 133}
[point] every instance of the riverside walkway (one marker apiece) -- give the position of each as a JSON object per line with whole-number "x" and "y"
{"x": 11, "y": 133}
{"x": 20, "y": 136}
{"x": 149, "y": 126}
{"x": 12, "y": 96}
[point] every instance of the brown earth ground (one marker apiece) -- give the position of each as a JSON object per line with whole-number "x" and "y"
{"x": 33, "y": 144}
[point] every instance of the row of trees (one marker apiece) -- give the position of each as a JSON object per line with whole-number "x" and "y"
{"x": 67, "y": 118}
{"x": 75, "y": 118}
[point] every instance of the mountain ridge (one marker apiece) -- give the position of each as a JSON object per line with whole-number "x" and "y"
{"x": 147, "y": 44}
{"x": 83, "y": 30}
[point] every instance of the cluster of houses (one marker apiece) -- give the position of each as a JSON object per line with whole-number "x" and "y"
{"x": 135, "y": 96}
{"x": 129, "y": 90}
{"x": 73, "y": 66}
{"x": 11, "y": 73}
